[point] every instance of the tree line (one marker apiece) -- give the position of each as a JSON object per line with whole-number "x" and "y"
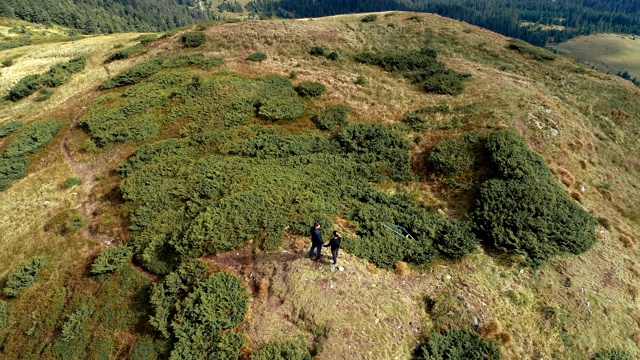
{"x": 109, "y": 16}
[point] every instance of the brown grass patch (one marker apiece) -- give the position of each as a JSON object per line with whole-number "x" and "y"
{"x": 263, "y": 289}
{"x": 576, "y": 196}
{"x": 606, "y": 194}
{"x": 490, "y": 329}
{"x": 566, "y": 177}
{"x": 401, "y": 268}
{"x": 584, "y": 164}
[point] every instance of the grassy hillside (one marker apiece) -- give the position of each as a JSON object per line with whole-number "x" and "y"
{"x": 176, "y": 165}
{"x": 606, "y": 52}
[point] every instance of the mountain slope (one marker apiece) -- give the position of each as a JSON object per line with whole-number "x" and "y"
{"x": 582, "y": 123}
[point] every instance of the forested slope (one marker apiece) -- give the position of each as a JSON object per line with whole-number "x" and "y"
{"x": 92, "y": 16}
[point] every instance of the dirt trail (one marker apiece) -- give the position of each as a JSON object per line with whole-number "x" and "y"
{"x": 88, "y": 181}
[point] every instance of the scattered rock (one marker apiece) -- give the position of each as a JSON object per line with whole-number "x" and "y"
{"x": 341, "y": 268}
{"x": 555, "y": 132}
{"x": 441, "y": 212}
{"x": 474, "y": 322}
{"x": 583, "y": 188}
{"x": 46, "y": 203}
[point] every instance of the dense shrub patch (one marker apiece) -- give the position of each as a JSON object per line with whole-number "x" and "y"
{"x": 193, "y": 39}
{"x": 57, "y": 75}
{"x": 198, "y": 313}
{"x": 450, "y": 157}
{"x": 22, "y": 276}
{"x": 134, "y": 74}
{"x": 257, "y": 57}
{"x": 310, "y": 89}
{"x": 612, "y": 354}
{"x": 125, "y": 53}
{"x": 31, "y": 138}
{"x": 7, "y": 129}
{"x": 286, "y": 350}
{"x": 332, "y": 118}
{"x": 421, "y": 68}
{"x": 316, "y": 50}
{"x": 111, "y": 259}
{"x": 523, "y": 210}
{"x": 458, "y": 345}
{"x": 25, "y": 87}
{"x": 4, "y": 316}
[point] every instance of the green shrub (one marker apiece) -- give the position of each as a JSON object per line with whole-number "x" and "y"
{"x": 7, "y": 129}
{"x": 533, "y": 51}
{"x": 125, "y": 53}
{"x": 211, "y": 62}
{"x": 286, "y": 350}
{"x": 257, "y": 56}
{"x": 43, "y": 95}
{"x": 450, "y": 157}
{"x": 310, "y": 89}
{"x": 511, "y": 158}
{"x": 455, "y": 239}
{"x": 198, "y": 312}
{"x": 316, "y": 51}
{"x": 193, "y": 39}
{"x": 361, "y": 80}
{"x": 25, "y": 87}
{"x": 457, "y": 345}
{"x": 71, "y": 182}
{"x": 416, "y": 121}
{"x": 333, "y": 56}
{"x": 369, "y": 18}
{"x": 6, "y": 62}
{"x": 146, "y": 39}
{"x": 133, "y": 74}
{"x": 281, "y": 108}
{"x": 22, "y": 276}
{"x": 65, "y": 222}
{"x": 31, "y": 138}
{"x": 14, "y": 160}
{"x": 612, "y": 354}
{"x": 524, "y": 211}
{"x": 77, "y": 322}
{"x": 332, "y": 118}
{"x": 4, "y": 316}
{"x": 421, "y": 68}
{"x": 111, "y": 259}
{"x": 149, "y": 349}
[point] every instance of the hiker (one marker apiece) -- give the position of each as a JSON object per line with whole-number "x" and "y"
{"x": 316, "y": 241}
{"x": 334, "y": 243}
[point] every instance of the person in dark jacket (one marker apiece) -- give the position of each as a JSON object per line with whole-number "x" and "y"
{"x": 334, "y": 243}
{"x": 316, "y": 241}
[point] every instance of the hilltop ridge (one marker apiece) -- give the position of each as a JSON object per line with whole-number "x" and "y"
{"x": 175, "y": 153}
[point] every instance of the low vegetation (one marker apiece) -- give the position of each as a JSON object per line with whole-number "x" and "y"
{"x": 530, "y": 50}
{"x": 8, "y": 128}
{"x": 22, "y": 276}
{"x": 57, "y": 75}
{"x": 111, "y": 259}
{"x": 458, "y": 345}
{"x": 198, "y": 312}
{"x": 421, "y": 68}
{"x": 193, "y": 39}
{"x": 14, "y": 160}
{"x": 286, "y": 350}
